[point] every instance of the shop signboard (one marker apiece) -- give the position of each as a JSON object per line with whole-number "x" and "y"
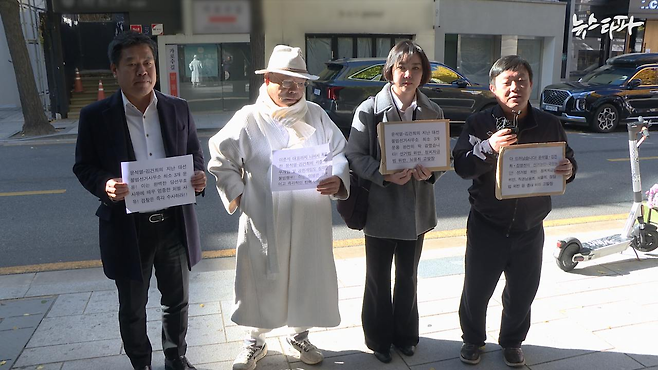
{"x": 607, "y": 25}
{"x": 645, "y": 9}
{"x": 172, "y": 69}
{"x": 221, "y": 16}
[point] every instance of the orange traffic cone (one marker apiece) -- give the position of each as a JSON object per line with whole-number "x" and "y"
{"x": 78, "y": 82}
{"x": 101, "y": 92}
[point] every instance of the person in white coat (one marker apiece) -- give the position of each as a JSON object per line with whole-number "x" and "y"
{"x": 285, "y": 271}
{"x": 195, "y": 67}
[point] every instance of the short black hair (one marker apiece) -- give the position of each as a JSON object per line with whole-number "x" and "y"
{"x": 125, "y": 40}
{"x": 405, "y": 49}
{"x": 508, "y": 63}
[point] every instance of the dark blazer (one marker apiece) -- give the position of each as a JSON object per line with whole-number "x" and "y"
{"x": 103, "y": 143}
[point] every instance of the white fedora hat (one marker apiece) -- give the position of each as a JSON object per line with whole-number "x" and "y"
{"x": 287, "y": 60}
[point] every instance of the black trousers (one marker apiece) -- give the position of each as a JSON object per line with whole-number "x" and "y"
{"x": 490, "y": 253}
{"x": 387, "y": 321}
{"x": 160, "y": 247}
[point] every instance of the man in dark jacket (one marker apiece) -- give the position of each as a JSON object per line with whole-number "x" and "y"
{"x": 503, "y": 236}
{"x": 139, "y": 123}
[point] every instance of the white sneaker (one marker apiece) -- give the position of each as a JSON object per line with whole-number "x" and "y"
{"x": 308, "y": 353}
{"x": 248, "y": 357}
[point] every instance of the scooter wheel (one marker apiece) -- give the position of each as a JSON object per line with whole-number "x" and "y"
{"x": 650, "y": 235}
{"x": 565, "y": 259}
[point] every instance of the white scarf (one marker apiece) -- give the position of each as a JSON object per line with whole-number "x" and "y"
{"x": 291, "y": 118}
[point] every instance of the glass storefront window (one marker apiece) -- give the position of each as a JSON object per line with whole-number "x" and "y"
{"x": 218, "y": 79}
{"x": 383, "y": 46}
{"x": 318, "y": 51}
{"x": 364, "y": 47}
{"x": 475, "y": 56}
{"x": 345, "y": 47}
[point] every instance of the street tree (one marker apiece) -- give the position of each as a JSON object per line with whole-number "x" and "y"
{"x": 257, "y": 42}
{"x": 36, "y": 122}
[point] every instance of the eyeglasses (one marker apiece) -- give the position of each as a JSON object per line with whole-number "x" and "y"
{"x": 287, "y": 84}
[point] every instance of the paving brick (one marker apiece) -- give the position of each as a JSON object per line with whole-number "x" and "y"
{"x": 15, "y": 286}
{"x": 69, "y": 304}
{"x": 11, "y": 345}
{"x": 597, "y": 360}
{"x": 27, "y": 306}
{"x": 69, "y": 352}
{"x": 53, "y": 366}
{"x": 75, "y": 329}
{"x": 20, "y": 322}
{"x": 108, "y": 362}
{"x": 69, "y": 281}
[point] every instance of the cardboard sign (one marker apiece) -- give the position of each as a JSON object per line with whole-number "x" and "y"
{"x": 528, "y": 170}
{"x": 407, "y": 144}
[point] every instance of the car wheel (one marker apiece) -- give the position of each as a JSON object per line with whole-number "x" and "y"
{"x": 605, "y": 118}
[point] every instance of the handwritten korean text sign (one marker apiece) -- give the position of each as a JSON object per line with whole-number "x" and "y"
{"x": 528, "y": 170}
{"x": 158, "y": 183}
{"x": 407, "y": 144}
{"x": 302, "y": 168}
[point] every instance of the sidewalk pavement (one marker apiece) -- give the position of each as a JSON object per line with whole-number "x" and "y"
{"x": 601, "y": 316}
{"x": 11, "y": 125}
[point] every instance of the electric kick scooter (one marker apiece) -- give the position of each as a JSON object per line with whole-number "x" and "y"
{"x": 637, "y": 233}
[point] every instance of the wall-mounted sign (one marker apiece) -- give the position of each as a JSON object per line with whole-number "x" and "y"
{"x": 172, "y": 69}
{"x": 157, "y": 29}
{"x": 136, "y": 28}
{"x": 608, "y": 25}
{"x": 221, "y": 16}
{"x": 647, "y": 9}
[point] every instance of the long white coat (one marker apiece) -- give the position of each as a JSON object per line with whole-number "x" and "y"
{"x": 195, "y": 67}
{"x": 305, "y": 291}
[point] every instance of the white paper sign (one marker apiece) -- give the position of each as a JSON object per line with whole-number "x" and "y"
{"x": 158, "y": 183}
{"x": 529, "y": 170}
{"x": 303, "y": 168}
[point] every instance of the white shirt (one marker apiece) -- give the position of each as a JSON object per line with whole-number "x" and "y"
{"x": 144, "y": 129}
{"x": 407, "y": 114}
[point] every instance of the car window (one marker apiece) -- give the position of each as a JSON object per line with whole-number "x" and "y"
{"x": 648, "y": 76}
{"x": 330, "y": 72}
{"x": 372, "y": 73}
{"x": 608, "y": 75}
{"x": 443, "y": 75}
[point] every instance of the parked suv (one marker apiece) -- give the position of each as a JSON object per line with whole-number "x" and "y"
{"x": 345, "y": 83}
{"x": 624, "y": 88}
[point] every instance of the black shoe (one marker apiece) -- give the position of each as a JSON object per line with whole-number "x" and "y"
{"x": 514, "y": 356}
{"x": 384, "y": 357}
{"x": 180, "y": 363}
{"x": 407, "y": 350}
{"x": 470, "y": 353}
{"x": 146, "y": 367}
